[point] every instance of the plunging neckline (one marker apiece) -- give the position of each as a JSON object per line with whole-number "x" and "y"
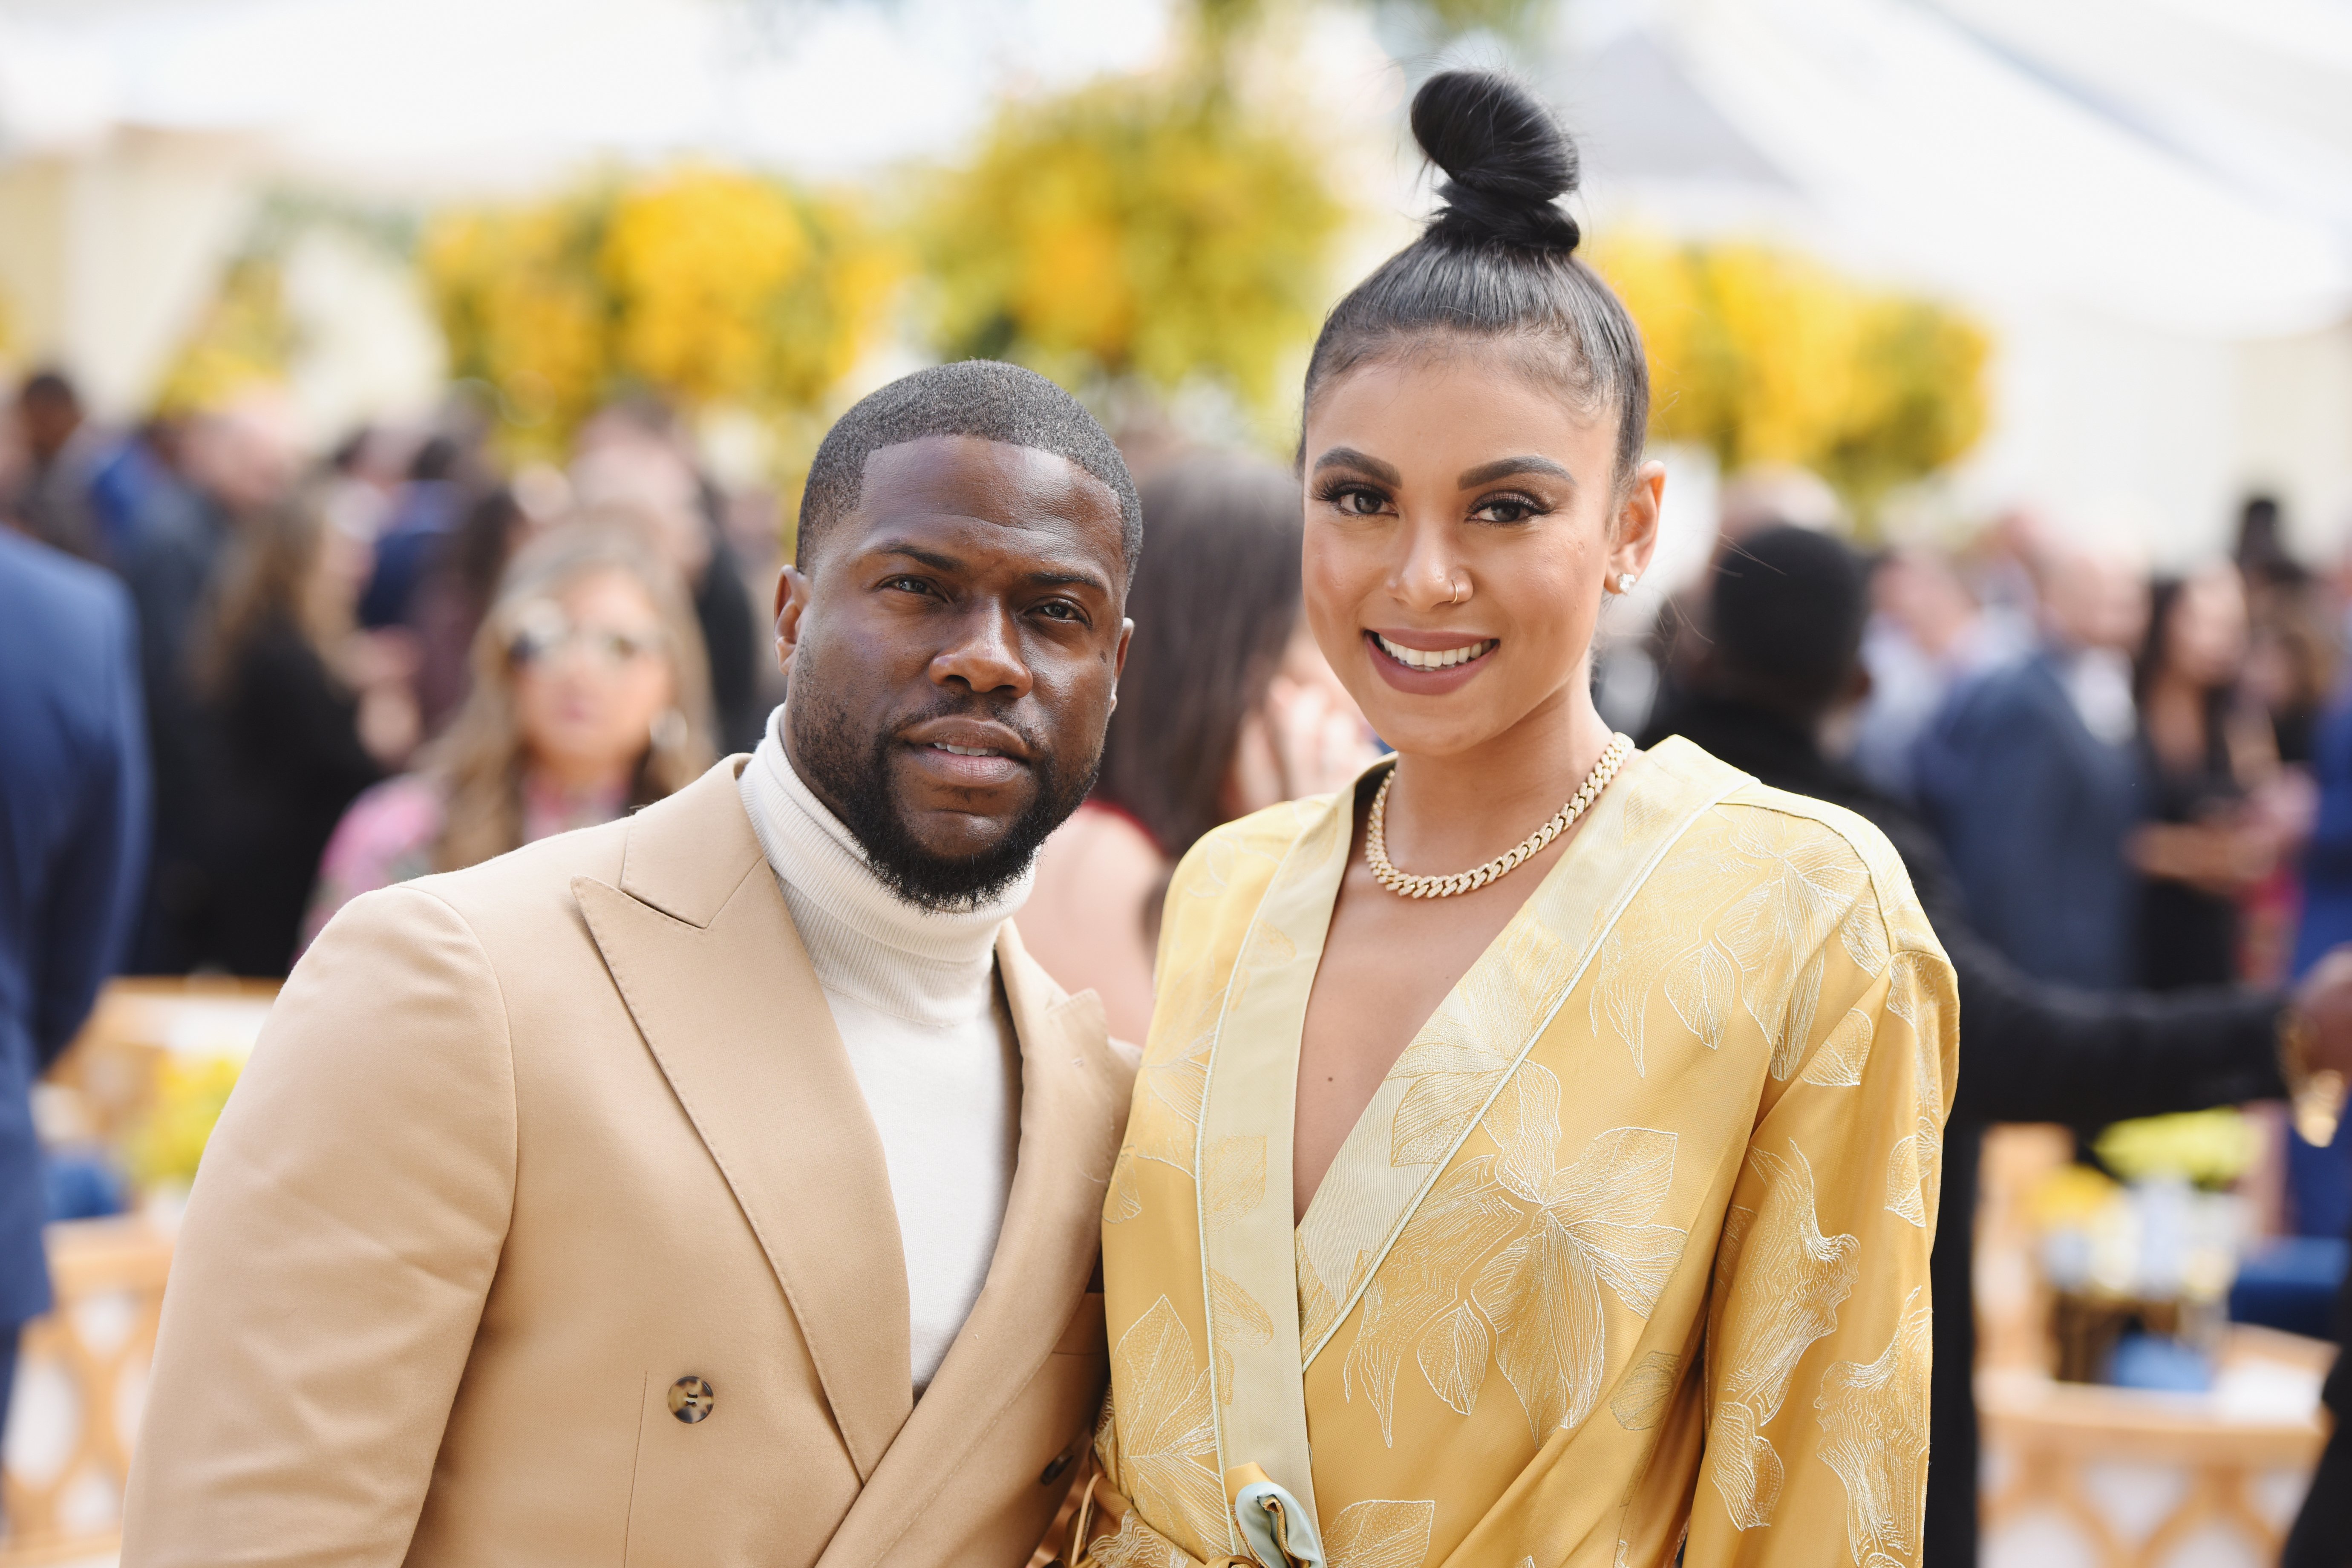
{"x": 1366, "y": 1130}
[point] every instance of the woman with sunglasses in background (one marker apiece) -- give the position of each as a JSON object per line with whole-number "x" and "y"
{"x": 591, "y": 697}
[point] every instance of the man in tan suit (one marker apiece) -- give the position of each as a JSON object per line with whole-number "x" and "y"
{"x": 720, "y": 1186}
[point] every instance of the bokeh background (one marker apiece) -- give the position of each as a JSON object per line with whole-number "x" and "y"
{"x": 1969, "y": 282}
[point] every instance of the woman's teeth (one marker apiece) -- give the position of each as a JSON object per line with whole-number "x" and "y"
{"x": 961, "y": 751}
{"x": 1424, "y": 658}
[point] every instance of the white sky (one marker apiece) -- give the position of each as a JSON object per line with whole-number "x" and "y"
{"x": 442, "y": 92}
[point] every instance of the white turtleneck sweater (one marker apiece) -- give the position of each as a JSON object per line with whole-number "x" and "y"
{"x": 914, "y": 996}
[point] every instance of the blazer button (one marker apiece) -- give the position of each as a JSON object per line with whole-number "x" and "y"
{"x": 691, "y": 1399}
{"x": 1058, "y": 1468}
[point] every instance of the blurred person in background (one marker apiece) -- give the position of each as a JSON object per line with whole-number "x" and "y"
{"x": 635, "y": 455}
{"x": 1777, "y": 682}
{"x": 2205, "y": 845}
{"x": 589, "y": 699}
{"x": 311, "y": 710}
{"x": 73, "y": 838}
{"x": 46, "y": 489}
{"x": 452, "y": 602}
{"x": 423, "y": 512}
{"x": 1226, "y": 707}
{"x": 237, "y": 464}
{"x": 1925, "y": 637}
{"x": 2031, "y": 778}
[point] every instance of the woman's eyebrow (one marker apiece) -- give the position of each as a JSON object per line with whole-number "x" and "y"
{"x": 1349, "y": 457}
{"x": 1502, "y": 467}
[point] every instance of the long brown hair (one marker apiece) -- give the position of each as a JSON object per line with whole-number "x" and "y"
{"x": 1214, "y": 602}
{"x": 482, "y": 759}
{"x": 272, "y": 575}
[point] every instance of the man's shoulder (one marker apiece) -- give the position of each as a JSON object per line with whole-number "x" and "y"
{"x": 45, "y": 594}
{"x": 515, "y": 899}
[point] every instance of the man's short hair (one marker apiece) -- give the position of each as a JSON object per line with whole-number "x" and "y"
{"x": 1786, "y": 613}
{"x": 979, "y": 397}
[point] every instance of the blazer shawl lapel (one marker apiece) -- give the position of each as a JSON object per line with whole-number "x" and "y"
{"x": 1074, "y": 1098}
{"x": 703, "y": 949}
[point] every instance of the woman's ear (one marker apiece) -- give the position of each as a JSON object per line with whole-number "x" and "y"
{"x": 1636, "y": 533}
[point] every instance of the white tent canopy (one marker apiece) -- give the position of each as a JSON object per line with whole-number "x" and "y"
{"x": 2151, "y": 200}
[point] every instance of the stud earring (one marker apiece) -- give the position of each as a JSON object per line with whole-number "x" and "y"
{"x": 1625, "y": 581}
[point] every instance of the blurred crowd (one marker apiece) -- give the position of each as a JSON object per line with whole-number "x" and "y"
{"x": 395, "y": 658}
{"x": 2124, "y": 797}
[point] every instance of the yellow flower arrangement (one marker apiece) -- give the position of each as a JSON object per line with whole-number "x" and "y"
{"x": 707, "y": 285}
{"x": 1137, "y": 228}
{"x": 1767, "y": 357}
{"x": 244, "y": 339}
{"x": 169, "y": 1142}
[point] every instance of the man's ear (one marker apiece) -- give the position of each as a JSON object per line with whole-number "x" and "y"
{"x": 791, "y": 603}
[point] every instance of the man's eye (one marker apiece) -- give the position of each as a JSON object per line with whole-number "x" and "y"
{"x": 1058, "y": 609}
{"x": 909, "y": 585}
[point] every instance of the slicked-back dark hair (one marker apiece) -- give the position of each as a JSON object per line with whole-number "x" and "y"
{"x": 978, "y": 398}
{"x": 1498, "y": 261}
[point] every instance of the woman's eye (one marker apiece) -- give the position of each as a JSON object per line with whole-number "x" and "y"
{"x": 1360, "y": 502}
{"x": 1507, "y": 509}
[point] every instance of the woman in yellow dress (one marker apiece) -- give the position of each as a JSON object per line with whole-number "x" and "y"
{"x": 1559, "y": 1209}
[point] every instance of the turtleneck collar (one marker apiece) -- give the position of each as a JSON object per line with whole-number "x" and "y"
{"x": 927, "y": 966}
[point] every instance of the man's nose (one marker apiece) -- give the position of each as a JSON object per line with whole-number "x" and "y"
{"x": 985, "y": 656}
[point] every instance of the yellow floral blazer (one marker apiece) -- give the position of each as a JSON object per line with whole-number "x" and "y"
{"x": 1630, "y": 1245}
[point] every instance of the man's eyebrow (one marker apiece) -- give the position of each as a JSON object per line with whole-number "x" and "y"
{"x": 931, "y": 558}
{"x": 1349, "y": 457}
{"x": 1502, "y": 467}
{"x": 1049, "y": 579}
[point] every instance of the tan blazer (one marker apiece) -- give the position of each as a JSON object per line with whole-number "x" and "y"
{"x": 522, "y": 1147}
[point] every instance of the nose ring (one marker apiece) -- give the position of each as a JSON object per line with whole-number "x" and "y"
{"x": 1454, "y": 589}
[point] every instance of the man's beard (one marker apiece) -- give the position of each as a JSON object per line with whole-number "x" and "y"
{"x": 854, "y": 779}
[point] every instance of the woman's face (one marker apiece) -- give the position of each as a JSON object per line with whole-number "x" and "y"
{"x": 1461, "y": 521}
{"x": 593, "y": 672}
{"x": 2207, "y": 639}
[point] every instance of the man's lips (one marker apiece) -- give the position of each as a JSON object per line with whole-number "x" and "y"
{"x": 971, "y": 753}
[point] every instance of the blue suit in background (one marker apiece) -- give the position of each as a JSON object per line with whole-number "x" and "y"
{"x": 2033, "y": 811}
{"x": 73, "y": 848}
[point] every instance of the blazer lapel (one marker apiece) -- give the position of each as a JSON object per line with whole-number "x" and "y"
{"x": 1074, "y": 1098}
{"x": 703, "y": 949}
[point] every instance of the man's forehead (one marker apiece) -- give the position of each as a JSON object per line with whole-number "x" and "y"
{"x": 977, "y": 476}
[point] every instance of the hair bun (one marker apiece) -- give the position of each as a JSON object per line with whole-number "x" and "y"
{"x": 1506, "y": 161}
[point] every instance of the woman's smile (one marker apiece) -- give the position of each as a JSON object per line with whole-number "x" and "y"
{"x": 1428, "y": 663}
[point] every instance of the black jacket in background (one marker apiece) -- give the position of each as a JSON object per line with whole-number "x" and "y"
{"x": 2029, "y": 1051}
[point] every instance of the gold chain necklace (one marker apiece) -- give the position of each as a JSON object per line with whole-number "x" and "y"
{"x": 1404, "y": 885}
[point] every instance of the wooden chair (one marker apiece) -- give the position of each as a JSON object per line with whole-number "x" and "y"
{"x": 81, "y": 1372}
{"x": 2117, "y": 1477}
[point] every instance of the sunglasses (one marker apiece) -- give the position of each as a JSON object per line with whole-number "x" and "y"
{"x": 542, "y": 631}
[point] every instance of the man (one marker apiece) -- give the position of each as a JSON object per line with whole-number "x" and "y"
{"x": 2032, "y": 782}
{"x": 73, "y": 828}
{"x": 720, "y": 1186}
{"x": 1787, "y": 617}
{"x": 50, "y": 498}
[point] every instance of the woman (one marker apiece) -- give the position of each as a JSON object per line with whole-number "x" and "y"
{"x": 589, "y": 698}
{"x": 308, "y": 711}
{"x": 1226, "y": 706}
{"x": 1630, "y": 1236}
{"x": 2204, "y": 756}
